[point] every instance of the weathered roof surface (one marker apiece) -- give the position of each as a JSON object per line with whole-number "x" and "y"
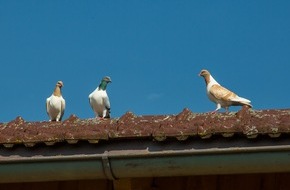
{"x": 246, "y": 123}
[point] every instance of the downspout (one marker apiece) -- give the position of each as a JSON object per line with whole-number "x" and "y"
{"x": 107, "y": 169}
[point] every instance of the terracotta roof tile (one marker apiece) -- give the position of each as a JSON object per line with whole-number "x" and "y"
{"x": 248, "y": 123}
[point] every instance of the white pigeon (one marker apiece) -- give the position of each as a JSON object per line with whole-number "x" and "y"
{"x": 99, "y": 99}
{"x": 223, "y": 97}
{"x": 55, "y": 104}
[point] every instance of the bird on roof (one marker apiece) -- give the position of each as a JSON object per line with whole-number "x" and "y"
{"x": 55, "y": 104}
{"x": 218, "y": 94}
{"x": 99, "y": 99}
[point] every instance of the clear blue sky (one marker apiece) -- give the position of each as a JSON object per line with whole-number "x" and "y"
{"x": 152, "y": 50}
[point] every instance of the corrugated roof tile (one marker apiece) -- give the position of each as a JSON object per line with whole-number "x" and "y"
{"x": 246, "y": 122}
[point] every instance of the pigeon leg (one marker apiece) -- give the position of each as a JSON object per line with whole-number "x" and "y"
{"x": 99, "y": 117}
{"x": 227, "y": 109}
{"x": 218, "y": 107}
{"x": 104, "y": 113}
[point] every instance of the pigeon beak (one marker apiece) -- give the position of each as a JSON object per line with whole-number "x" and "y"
{"x": 200, "y": 74}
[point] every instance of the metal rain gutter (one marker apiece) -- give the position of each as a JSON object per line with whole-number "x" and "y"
{"x": 143, "y": 163}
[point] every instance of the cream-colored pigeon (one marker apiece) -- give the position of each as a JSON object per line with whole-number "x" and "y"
{"x": 55, "y": 104}
{"x": 218, "y": 94}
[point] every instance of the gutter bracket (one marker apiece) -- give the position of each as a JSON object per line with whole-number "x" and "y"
{"x": 107, "y": 167}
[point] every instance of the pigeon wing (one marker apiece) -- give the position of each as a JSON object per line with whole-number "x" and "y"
{"x": 107, "y": 102}
{"x": 221, "y": 93}
{"x": 90, "y": 102}
{"x": 62, "y": 108}
{"x": 46, "y": 105}
{"x": 107, "y": 105}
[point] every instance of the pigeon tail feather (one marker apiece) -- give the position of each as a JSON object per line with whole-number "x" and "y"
{"x": 243, "y": 101}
